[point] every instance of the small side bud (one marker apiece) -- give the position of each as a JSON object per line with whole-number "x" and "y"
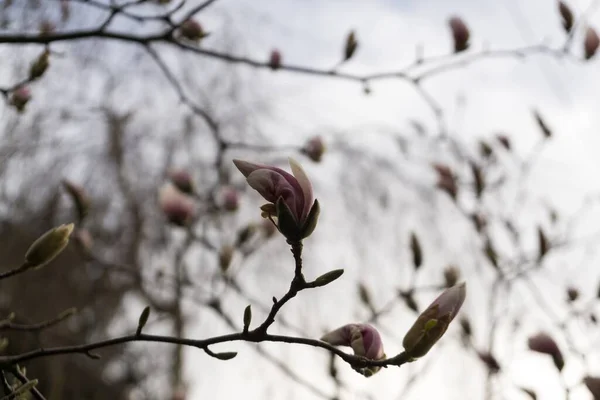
{"x": 247, "y": 318}
{"x": 225, "y": 257}
{"x": 566, "y": 15}
{"x": 591, "y": 43}
{"x": 350, "y": 46}
{"x": 490, "y": 361}
{"x": 314, "y": 149}
{"x": 451, "y": 276}
{"x": 417, "y": 252}
{"x": 142, "y": 320}
{"x": 182, "y": 180}
{"x": 327, "y": 278}
{"x": 48, "y": 246}
{"x": 20, "y": 97}
{"x": 192, "y": 30}
{"x": 572, "y": 294}
{"x": 542, "y": 124}
{"x": 460, "y": 34}
{"x": 275, "y": 60}
{"x": 39, "y": 66}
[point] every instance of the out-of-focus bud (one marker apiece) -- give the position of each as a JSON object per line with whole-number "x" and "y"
{"x": 275, "y": 59}
{"x": 350, "y": 46}
{"x": 65, "y": 10}
{"x": 314, "y": 148}
{"x": 431, "y": 325}
{"x": 83, "y": 239}
{"x": 542, "y": 124}
{"x": 245, "y": 234}
{"x": 572, "y": 294}
{"x": 446, "y": 180}
{"x": 479, "y": 221}
{"x": 39, "y": 66}
{"x": 591, "y": 43}
{"x": 225, "y": 257}
{"x": 466, "y": 331}
{"x": 46, "y": 27}
{"x": 20, "y": 97}
{"x": 48, "y": 246}
{"x": 491, "y": 254}
{"x": 485, "y": 149}
{"x": 363, "y": 339}
{"x": 365, "y": 296}
{"x": 230, "y": 199}
{"x": 478, "y": 179}
{"x": 593, "y": 385}
{"x": 504, "y": 141}
{"x": 543, "y": 244}
{"x": 490, "y": 361}
{"x": 78, "y": 197}
{"x": 451, "y": 275}
{"x": 417, "y": 251}
{"x": 460, "y": 34}
{"x": 182, "y": 180}
{"x": 566, "y": 16}
{"x": 178, "y": 207}
{"x": 192, "y": 30}
{"x": 543, "y": 343}
{"x": 409, "y": 299}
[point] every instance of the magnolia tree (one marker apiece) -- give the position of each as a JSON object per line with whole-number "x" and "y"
{"x": 200, "y": 215}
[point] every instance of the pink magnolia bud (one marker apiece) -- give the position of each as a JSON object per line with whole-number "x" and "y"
{"x": 20, "y": 97}
{"x": 230, "y": 198}
{"x": 593, "y": 385}
{"x": 314, "y": 148}
{"x": 192, "y": 30}
{"x": 182, "y": 180}
{"x": 178, "y": 207}
{"x": 591, "y": 43}
{"x": 296, "y": 210}
{"x": 566, "y": 15}
{"x": 363, "y": 339}
{"x": 275, "y": 59}
{"x": 83, "y": 238}
{"x": 460, "y": 34}
{"x": 431, "y": 325}
{"x": 543, "y": 343}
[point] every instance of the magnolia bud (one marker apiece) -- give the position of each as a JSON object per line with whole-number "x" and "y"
{"x": 225, "y": 257}
{"x": 572, "y": 294}
{"x": 593, "y": 385}
{"x": 48, "y": 246}
{"x": 417, "y": 252}
{"x": 78, "y": 197}
{"x": 566, "y": 15}
{"x": 451, "y": 275}
{"x": 20, "y": 97}
{"x": 460, "y": 34}
{"x": 192, "y": 30}
{"x": 182, "y": 181}
{"x": 543, "y": 343}
{"x": 39, "y": 66}
{"x": 178, "y": 207}
{"x": 275, "y": 59}
{"x": 504, "y": 141}
{"x": 351, "y": 45}
{"x": 490, "y": 361}
{"x": 230, "y": 199}
{"x": 314, "y": 148}
{"x": 591, "y": 43}
{"x": 431, "y": 325}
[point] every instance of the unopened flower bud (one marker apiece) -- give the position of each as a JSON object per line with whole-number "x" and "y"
{"x": 504, "y": 141}
{"x": 591, "y": 43}
{"x": 39, "y": 66}
{"x": 490, "y": 361}
{"x": 225, "y": 257}
{"x": 364, "y": 339}
{"x": 460, "y": 34}
{"x": 543, "y": 343}
{"x": 451, "y": 275}
{"x": 566, "y": 15}
{"x": 20, "y": 97}
{"x": 314, "y": 148}
{"x": 78, "y": 197}
{"x": 431, "y": 325}
{"x": 593, "y": 385}
{"x": 572, "y": 294}
{"x": 230, "y": 198}
{"x": 48, "y": 246}
{"x": 47, "y": 27}
{"x": 275, "y": 59}
{"x": 182, "y": 181}
{"x": 178, "y": 207}
{"x": 351, "y": 45}
{"x": 192, "y": 30}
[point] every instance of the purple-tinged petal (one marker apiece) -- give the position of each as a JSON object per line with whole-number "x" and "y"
{"x": 246, "y": 168}
{"x": 272, "y": 185}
